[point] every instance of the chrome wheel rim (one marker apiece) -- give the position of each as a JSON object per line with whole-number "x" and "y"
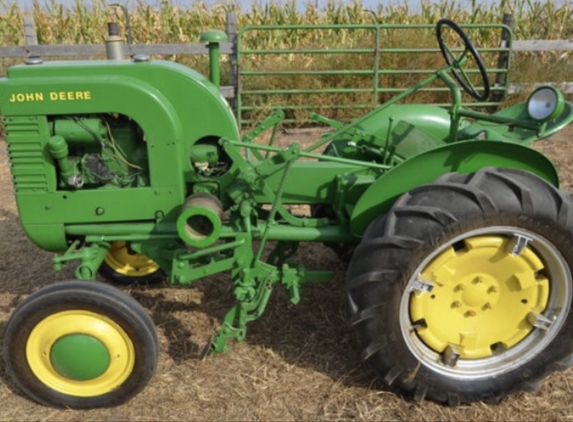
{"x": 541, "y": 326}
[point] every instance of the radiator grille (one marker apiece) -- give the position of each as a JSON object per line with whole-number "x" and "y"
{"x": 26, "y": 153}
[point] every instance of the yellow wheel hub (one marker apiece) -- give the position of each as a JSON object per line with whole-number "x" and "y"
{"x": 104, "y": 333}
{"x": 483, "y": 295}
{"x": 129, "y": 264}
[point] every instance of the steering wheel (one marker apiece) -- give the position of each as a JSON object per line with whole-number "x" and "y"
{"x": 458, "y": 72}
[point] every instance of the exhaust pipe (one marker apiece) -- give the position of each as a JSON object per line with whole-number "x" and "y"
{"x": 114, "y": 43}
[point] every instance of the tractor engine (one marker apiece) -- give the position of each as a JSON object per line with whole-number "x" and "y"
{"x": 109, "y": 142}
{"x": 100, "y": 151}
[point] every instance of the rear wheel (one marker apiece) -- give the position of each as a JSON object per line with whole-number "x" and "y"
{"x": 463, "y": 291}
{"x": 80, "y": 344}
{"x": 123, "y": 266}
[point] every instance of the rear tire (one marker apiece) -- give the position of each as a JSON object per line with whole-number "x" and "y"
{"x": 463, "y": 291}
{"x": 124, "y": 267}
{"x": 80, "y": 344}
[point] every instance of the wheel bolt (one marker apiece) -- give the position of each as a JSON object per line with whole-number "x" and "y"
{"x": 477, "y": 280}
{"x": 470, "y": 314}
{"x": 458, "y": 288}
{"x": 486, "y": 306}
{"x": 456, "y": 304}
{"x": 492, "y": 289}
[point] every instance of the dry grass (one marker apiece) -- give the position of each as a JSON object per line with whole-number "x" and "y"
{"x": 297, "y": 363}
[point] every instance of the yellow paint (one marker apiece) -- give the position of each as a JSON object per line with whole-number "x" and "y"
{"x": 23, "y": 97}
{"x": 129, "y": 264}
{"x": 71, "y": 96}
{"x": 27, "y": 97}
{"x": 51, "y": 329}
{"x": 482, "y": 296}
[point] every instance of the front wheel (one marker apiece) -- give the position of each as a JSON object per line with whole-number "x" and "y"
{"x": 463, "y": 291}
{"x": 80, "y": 344}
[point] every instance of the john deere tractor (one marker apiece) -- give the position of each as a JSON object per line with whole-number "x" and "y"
{"x": 460, "y": 243}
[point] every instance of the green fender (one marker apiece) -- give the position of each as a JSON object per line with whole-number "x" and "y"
{"x": 461, "y": 157}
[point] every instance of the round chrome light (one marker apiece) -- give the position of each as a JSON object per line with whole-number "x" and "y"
{"x": 545, "y": 103}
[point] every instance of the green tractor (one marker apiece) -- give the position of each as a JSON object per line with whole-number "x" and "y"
{"x": 460, "y": 244}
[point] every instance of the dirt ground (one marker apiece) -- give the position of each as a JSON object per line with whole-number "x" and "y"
{"x": 297, "y": 362}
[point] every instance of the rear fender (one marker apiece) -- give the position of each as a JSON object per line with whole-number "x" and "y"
{"x": 431, "y": 119}
{"x": 461, "y": 157}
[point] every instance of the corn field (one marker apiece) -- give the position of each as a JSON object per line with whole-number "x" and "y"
{"x": 84, "y": 22}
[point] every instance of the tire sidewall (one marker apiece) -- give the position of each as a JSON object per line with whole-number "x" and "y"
{"x": 414, "y": 374}
{"x": 131, "y": 319}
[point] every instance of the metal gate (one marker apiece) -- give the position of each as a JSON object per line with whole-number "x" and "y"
{"x": 343, "y": 71}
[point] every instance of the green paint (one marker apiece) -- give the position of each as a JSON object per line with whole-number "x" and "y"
{"x": 79, "y": 357}
{"x": 463, "y": 157}
{"x": 213, "y": 39}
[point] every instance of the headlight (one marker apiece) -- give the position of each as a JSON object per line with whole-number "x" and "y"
{"x": 545, "y": 103}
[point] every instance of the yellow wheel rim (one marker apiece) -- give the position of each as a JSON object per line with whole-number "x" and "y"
{"x": 482, "y": 297}
{"x": 102, "y": 331}
{"x": 486, "y": 302}
{"x": 120, "y": 260}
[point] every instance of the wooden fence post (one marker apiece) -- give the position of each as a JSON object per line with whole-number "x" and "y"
{"x": 232, "y": 32}
{"x": 30, "y": 30}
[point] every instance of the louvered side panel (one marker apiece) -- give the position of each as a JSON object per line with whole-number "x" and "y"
{"x": 32, "y": 167}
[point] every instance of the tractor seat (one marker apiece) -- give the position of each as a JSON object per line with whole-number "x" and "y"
{"x": 407, "y": 140}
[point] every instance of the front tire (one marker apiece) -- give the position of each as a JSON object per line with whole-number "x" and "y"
{"x": 80, "y": 344}
{"x": 463, "y": 291}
